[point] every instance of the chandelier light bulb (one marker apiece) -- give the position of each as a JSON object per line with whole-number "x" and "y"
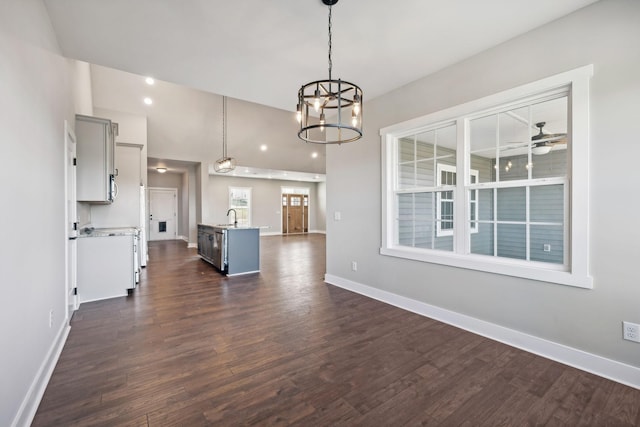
{"x": 354, "y": 118}
{"x": 299, "y": 113}
{"x": 322, "y": 122}
{"x": 316, "y": 100}
{"x": 356, "y": 104}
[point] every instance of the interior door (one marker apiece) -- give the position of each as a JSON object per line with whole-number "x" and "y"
{"x": 294, "y": 209}
{"x": 162, "y": 213}
{"x": 72, "y": 221}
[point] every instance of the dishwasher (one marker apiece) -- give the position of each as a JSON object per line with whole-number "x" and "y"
{"x": 219, "y": 249}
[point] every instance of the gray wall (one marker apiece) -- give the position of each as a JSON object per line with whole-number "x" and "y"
{"x": 38, "y": 95}
{"x": 265, "y": 199}
{"x": 606, "y": 34}
{"x": 173, "y": 180}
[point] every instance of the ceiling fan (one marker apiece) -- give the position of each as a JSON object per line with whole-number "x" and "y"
{"x": 542, "y": 143}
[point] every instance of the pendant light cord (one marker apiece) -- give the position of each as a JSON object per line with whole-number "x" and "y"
{"x": 330, "y": 62}
{"x": 224, "y": 127}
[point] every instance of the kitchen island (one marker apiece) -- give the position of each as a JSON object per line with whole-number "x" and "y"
{"x": 231, "y": 249}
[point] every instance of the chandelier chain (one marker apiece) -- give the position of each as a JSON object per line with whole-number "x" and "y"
{"x": 330, "y": 62}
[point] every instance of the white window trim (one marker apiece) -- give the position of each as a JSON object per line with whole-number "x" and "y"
{"x": 249, "y": 213}
{"x": 577, "y": 271}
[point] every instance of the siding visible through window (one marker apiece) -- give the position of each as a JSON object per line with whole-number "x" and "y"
{"x": 521, "y": 198}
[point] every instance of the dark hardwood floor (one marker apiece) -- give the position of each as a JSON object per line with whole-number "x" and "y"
{"x": 191, "y": 347}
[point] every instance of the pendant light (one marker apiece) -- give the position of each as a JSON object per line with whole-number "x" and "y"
{"x": 337, "y": 102}
{"x": 224, "y": 164}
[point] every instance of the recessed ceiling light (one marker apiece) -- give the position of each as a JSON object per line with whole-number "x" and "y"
{"x": 150, "y": 81}
{"x": 148, "y": 101}
{"x": 316, "y": 177}
{"x": 263, "y": 147}
{"x": 314, "y": 154}
{"x": 246, "y": 171}
{"x": 161, "y": 170}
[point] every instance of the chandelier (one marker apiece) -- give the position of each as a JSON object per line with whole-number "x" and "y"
{"x": 338, "y": 103}
{"x": 224, "y": 164}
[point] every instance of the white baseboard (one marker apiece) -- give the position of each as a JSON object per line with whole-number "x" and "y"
{"x": 277, "y": 233}
{"x": 598, "y": 365}
{"x": 270, "y": 233}
{"x": 189, "y": 245}
{"x": 31, "y": 401}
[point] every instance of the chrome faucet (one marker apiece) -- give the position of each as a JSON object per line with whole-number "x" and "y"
{"x": 235, "y": 216}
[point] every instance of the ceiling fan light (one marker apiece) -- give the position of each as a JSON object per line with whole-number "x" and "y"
{"x": 540, "y": 149}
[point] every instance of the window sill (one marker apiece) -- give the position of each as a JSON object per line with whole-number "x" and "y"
{"x": 534, "y": 271}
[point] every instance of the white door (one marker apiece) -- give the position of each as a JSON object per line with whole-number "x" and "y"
{"x": 71, "y": 220}
{"x": 163, "y": 213}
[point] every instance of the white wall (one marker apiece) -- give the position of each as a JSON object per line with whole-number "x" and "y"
{"x": 37, "y": 98}
{"x": 124, "y": 212}
{"x": 186, "y": 124}
{"x": 132, "y": 129}
{"x": 606, "y": 34}
{"x": 82, "y": 95}
{"x": 266, "y": 209}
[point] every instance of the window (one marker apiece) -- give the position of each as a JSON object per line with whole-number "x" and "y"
{"x": 446, "y": 175}
{"x": 240, "y": 201}
{"x": 498, "y": 184}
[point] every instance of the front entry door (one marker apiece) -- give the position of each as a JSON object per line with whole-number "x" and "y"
{"x": 162, "y": 213}
{"x": 295, "y": 213}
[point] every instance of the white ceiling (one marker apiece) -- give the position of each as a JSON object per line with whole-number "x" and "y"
{"x": 263, "y": 51}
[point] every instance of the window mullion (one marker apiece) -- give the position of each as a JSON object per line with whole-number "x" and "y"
{"x": 528, "y": 222}
{"x": 460, "y": 197}
{"x": 495, "y": 222}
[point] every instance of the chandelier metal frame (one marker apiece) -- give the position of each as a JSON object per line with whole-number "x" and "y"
{"x": 340, "y": 98}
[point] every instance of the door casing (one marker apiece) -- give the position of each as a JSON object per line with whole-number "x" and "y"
{"x": 163, "y": 207}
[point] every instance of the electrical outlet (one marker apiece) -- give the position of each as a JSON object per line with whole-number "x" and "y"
{"x": 51, "y": 318}
{"x": 631, "y": 331}
{"x": 354, "y": 266}
{"x": 337, "y": 216}
{"x": 546, "y": 247}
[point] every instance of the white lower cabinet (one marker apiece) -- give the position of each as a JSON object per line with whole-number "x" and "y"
{"x": 106, "y": 267}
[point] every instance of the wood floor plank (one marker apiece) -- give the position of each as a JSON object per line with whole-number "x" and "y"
{"x": 191, "y": 347}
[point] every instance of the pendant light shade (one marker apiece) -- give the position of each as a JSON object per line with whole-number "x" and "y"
{"x": 224, "y": 164}
{"x": 337, "y": 104}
